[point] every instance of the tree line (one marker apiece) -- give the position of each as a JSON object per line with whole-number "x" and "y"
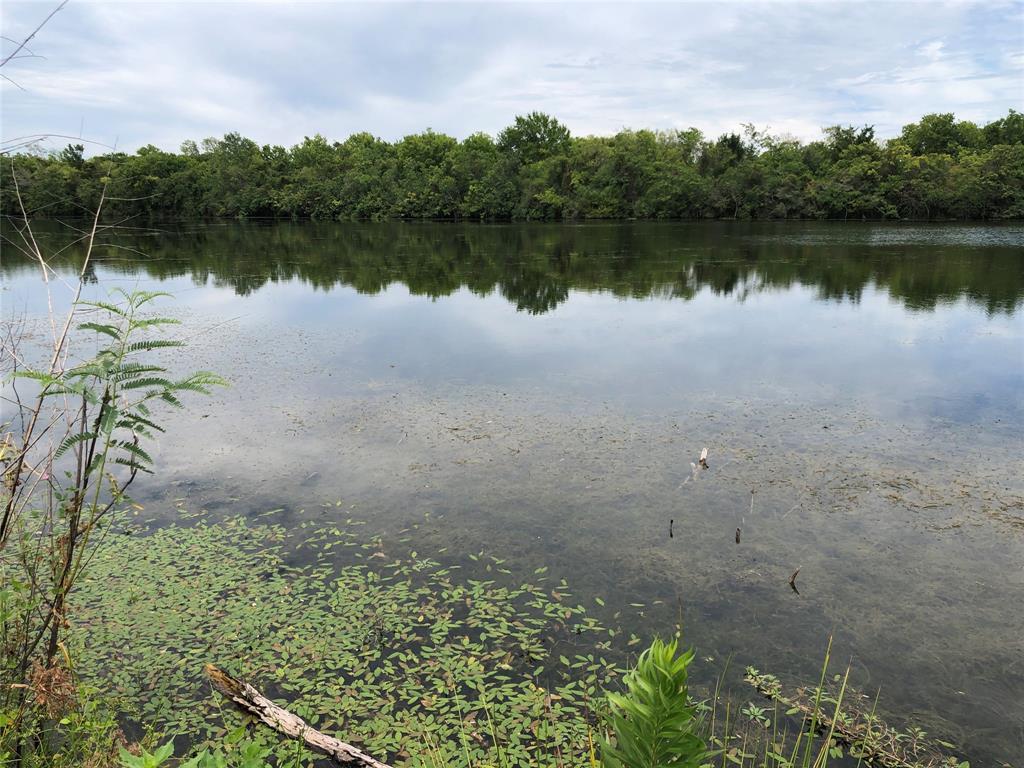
{"x": 937, "y": 168}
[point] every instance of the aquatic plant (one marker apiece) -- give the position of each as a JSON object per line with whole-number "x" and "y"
{"x": 415, "y": 662}
{"x": 409, "y": 659}
{"x": 854, "y": 729}
{"x": 654, "y": 721}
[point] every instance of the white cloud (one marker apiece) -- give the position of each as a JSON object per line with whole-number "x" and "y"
{"x": 932, "y": 50}
{"x": 159, "y": 73}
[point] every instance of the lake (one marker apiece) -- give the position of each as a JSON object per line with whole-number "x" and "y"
{"x": 539, "y": 392}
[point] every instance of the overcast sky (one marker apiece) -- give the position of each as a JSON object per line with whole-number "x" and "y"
{"x": 136, "y": 73}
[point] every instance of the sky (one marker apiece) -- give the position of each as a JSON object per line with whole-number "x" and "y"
{"x": 129, "y": 74}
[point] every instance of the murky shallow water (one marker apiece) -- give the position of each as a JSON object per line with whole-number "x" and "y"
{"x": 540, "y": 392}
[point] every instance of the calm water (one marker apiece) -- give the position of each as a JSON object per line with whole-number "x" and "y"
{"x": 540, "y": 392}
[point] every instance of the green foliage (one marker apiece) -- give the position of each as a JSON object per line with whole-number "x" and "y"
{"x": 119, "y": 387}
{"x": 146, "y": 759}
{"x": 938, "y": 167}
{"x": 419, "y": 663}
{"x": 533, "y": 138}
{"x": 51, "y": 527}
{"x": 86, "y": 734}
{"x": 244, "y": 754}
{"x": 655, "y": 724}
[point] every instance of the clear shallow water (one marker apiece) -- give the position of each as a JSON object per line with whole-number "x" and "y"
{"x": 539, "y": 392}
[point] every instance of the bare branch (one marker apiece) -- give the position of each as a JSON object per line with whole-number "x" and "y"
{"x": 281, "y": 720}
{"x": 25, "y": 42}
{"x": 18, "y": 142}
{"x": 16, "y": 85}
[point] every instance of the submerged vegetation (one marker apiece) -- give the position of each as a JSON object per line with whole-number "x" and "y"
{"x": 397, "y": 654}
{"x": 107, "y": 625}
{"x": 938, "y": 167}
{"x": 414, "y": 661}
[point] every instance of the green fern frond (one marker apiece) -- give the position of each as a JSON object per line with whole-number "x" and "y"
{"x": 95, "y": 368}
{"x": 151, "y": 344}
{"x": 133, "y": 421}
{"x": 56, "y": 385}
{"x": 149, "y": 381}
{"x": 131, "y": 371}
{"x": 109, "y": 330}
{"x": 72, "y": 440}
{"x": 169, "y": 398}
{"x": 93, "y": 465}
{"x": 138, "y": 298}
{"x": 200, "y": 381}
{"x": 134, "y": 449}
{"x": 43, "y": 378}
{"x": 105, "y": 306}
{"x": 133, "y": 464}
{"x": 152, "y": 322}
{"x": 103, "y": 382}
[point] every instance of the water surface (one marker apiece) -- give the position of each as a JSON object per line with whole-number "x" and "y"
{"x": 540, "y": 391}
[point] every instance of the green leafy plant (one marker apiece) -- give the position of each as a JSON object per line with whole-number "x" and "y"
{"x": 147, "y": 759}
{"x": 414, "y": 661}
{"x": 654, "y": 721}
{"x": 61, "y": 490}
{"x": 247, "y": 754}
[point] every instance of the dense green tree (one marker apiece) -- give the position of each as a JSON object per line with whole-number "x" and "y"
{"x": 938, "y": 167}
{"x": 425, "y": 176}
{"x": 73, "y": 155}
{"x": 312, "y": 180}
{"x": 785, "y": 179}
{"x": 593, "y": 187}
{"x": 674, "y": 187}
{"x": 239, "y": 178}
{"x": 367, "y": 178}
{"x": 143, "y": 181}
{"x": 841, "y": 139}
{"x": 1005, "y": 130}
{"x": 941, "y": 134}
{"x": 534, "y": 137}
{"x": 492, "y": 194}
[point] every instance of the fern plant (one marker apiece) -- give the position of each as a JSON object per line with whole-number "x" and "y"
{"x": 55, "y": 499}
{"x": 115, "y": 390}
{"x": 119, "y": 388}
{"x": 654, "y": 722}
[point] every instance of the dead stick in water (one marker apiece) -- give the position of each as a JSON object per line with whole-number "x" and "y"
{"x": 281, "y": 720}
{"x": 792, "y": 580}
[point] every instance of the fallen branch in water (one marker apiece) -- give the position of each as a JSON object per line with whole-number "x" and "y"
{"x": 281, "y": 720}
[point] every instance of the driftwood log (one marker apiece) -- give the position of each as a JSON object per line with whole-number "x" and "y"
{"x": 249, "y": 700}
